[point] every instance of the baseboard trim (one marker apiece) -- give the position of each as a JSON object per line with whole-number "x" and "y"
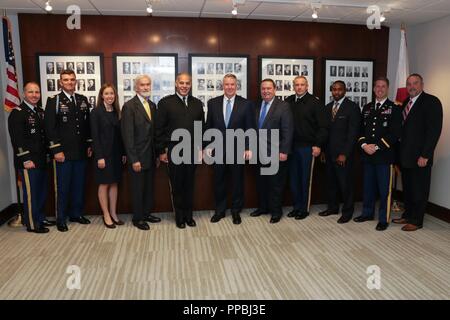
{"x": 8, "y": 213}
{"x": 434, "y": 210}
{"x": 438, "y": 212}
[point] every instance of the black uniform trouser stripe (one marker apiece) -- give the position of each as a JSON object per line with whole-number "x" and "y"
{"x": 55, "y": 183}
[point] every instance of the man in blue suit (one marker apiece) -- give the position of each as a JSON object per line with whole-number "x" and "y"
{"x": 230, "y": 111}
{"x": 272, "y": 115}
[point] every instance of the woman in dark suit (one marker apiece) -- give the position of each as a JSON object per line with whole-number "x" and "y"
{"x": 108, "y": 152}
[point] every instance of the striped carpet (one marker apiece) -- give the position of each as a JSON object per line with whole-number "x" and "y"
{"x": 310, "y": 259}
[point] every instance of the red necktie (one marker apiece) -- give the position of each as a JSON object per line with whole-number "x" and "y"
{"x": 407, "y": 109}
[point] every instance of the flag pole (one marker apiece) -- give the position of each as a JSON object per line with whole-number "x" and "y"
{"x": 397, "y": 205}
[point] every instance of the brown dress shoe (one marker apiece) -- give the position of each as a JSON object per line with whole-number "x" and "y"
{"x": 411, "y": 227}
{"x": 400, "y": 221}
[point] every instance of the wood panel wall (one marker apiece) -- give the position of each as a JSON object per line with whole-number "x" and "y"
{"x": 114, "y": 34}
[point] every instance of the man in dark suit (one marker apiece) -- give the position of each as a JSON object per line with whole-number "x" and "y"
{"x": 68, "y": 131}
{"x": 311, "y": 123}
{"x": 180, "y": 111}
{"x": 229, "y": 111}
{"x": 272, "y": 116}
{"x": 381, "y": 125}
{"x": 26, "y": 130}
{"x": 137, "y": 126}
{"x": 422, "y": 126}
{"x": 342, "y": 135}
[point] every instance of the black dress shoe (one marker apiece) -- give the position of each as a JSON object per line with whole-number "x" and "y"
{"x": 191, "y": 223}
{"x": 216, "y": 217}
{"x": 62, "y": 227}
{"x": 381, "y": 226}
{"x": 181, "y": 225}
{"x": 293, "y": 213}
{"x": 80, "y": 220}
{"x": 257, "y": 213}
{"x": 344, "y": 219}
{"x": 301, "y": 215}
{"x": 118, "y": 222}
{"x": 48, "y": 223}
{"x": 237, "y": 219}
{"x": 275, "y": 219}
{"x": 142, "y": 225}
{"x": 39, "y": 230}
{"x": 152, "y": 219}
{"x": 326, "y": 213}
{"x": 109, "y": 226}
{"x": 362, "y": 219}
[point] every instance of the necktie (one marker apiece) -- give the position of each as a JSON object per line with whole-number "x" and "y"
{"x": 378, "y": 105}
{"x": 228, "y": 112}
{"x": 407, "y": 109}
{"x": 185, "y": 101}
{"x": 263, "y": 114}
{"x": 72, "y": 99}
{"x": 335, "y": 110}
{"x": 147, "y": 109}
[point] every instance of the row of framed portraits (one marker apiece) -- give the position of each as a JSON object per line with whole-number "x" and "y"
{"x": 207, "y": 74}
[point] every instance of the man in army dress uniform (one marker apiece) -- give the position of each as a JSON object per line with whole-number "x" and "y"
{"x": 68, "y": 132}
{"x": 381, "y": 125}
{"x": 26, "y": 129}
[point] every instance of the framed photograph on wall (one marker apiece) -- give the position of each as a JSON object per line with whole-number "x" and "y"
{"x": 88, "y": 69}
{"x": 283, "y": 70}
{"x": 208, "y": 71}
{"x": 162, "y": 69}
{"x": 357, "y": 75}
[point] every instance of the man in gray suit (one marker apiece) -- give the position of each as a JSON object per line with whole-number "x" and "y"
{"x": 272, "y": 115}
{"x": 137, "y": 133}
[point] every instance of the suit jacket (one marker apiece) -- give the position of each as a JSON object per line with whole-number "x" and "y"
{"x": 104, "y": 132}
{"x": 26, "y": 130}
{"x": 241, "y": 116}
{"x": 173, "y": 114}
{"x": 421, "y": 130}
{"x": 311, "y": 121}
{"x": 278, "y": 117}
{"x": 138, "y": 132}
{"x": 381, "y": 127}
{"x": 67, "y": 126}
{"x": 344, "y": 130}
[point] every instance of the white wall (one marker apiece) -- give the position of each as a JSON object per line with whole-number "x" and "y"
{"x": 7, "y": 176}
{"x": 428, "y": 48}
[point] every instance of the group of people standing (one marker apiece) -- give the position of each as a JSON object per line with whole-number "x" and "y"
{"x": 141, "y": 134}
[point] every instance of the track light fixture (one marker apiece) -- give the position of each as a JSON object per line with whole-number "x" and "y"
{"x": 382, "y": 18}
{"x": 314, "y": 14}
{"x": 48, "y": 7}
{"x": 234, "y": 12}
{"x": 149, "y": 7}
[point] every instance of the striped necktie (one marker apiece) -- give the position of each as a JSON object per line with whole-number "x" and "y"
{"x": 334, "y": 110}
{"x": 407, "y": 109}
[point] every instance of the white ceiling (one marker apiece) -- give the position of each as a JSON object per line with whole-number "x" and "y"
{"x": 410, "y": 12}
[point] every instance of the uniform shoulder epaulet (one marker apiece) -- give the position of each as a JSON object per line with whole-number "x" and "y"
{"x": 18, "y": 108}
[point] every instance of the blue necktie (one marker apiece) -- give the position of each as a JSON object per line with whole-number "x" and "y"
{"x": 263, "y": 114}
{"x": 228, "y": 113}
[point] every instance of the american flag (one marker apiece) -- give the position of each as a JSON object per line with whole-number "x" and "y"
{"x": 12, "y": 99}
